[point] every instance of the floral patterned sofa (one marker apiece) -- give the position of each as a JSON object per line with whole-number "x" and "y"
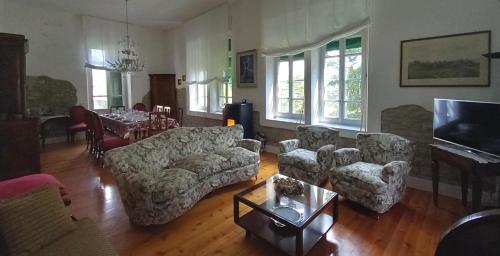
{"x": 161, "y": 177}
{"x": 373, "y": 174}
{"x": 310, "y": 157}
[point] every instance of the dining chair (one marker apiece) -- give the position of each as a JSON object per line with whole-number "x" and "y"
{"x": 158, "y": 108}
{"x": 158, "y": 122}
{"x": 103, "y": 141}
{"x": 90, "y": 130}
{"x": 76, "y": 122}
{"x": 180, "y": 116}
{"x": 139, "y": 106}
{"x": 167, "y": 110}
{"x": 113, "y": 109}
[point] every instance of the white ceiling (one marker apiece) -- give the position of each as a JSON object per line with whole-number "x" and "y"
{"x": 155, "y": 13}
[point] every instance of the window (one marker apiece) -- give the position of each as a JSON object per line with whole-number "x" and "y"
{"x": 343, "y": 82}
{"x": 106, "y": 89}
{"x": 225, "y": 92}
{"x": 289, "y": 89}
{"x": 198, "y": 97}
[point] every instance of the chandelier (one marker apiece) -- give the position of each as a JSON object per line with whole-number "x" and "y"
{"x": 128, "y": 59}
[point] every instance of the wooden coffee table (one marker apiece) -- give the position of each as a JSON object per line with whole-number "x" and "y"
{"x": 258, "y": 217}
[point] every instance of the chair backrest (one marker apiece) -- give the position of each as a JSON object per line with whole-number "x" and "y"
{"x": 476, "y": 234}
{"x": 180, "y": 116}
{"x": 167, "y": 109}
{"x": 88, "y": 120}
{"x": 98, "y": 127}
{"x": 158, "y": 121}
{"x": 382, "y": 148}
{"x": 113, "y": 109}
{"x": 313, "y": 137}
{"x": 77, "y": 114}
{"x": 139, "y": 106}
{"x": 157, "y": 108}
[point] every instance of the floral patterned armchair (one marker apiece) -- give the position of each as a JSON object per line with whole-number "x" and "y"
{"x": 310, "y": 157}
{"x": 373, "y": 174}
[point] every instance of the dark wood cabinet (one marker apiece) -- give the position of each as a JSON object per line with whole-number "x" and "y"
{"x": 163, "y": 91}
{"x": 12, "y": 75}
{"x": 19, "y": 143}
{"x": 19, "y": 148}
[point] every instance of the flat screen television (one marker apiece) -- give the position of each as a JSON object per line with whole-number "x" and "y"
{"x": 471, "y": 125}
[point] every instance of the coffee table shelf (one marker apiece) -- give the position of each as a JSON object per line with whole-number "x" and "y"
{"x": 294, "y": 238}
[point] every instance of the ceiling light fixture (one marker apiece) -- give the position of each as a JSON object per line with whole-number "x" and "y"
{"x": 128, "y": 59}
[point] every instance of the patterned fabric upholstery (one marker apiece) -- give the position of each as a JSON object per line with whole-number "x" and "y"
{"x": 163, "y": 176}
{"x": 374, "y": 173}
{"x": 310, "y": 157}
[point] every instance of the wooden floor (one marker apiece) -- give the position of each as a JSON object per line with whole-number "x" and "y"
{"x": 412, "y": 227}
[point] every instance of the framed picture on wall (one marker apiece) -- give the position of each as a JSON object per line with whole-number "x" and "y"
{"x": 247, "y": 68}
{"x": 446, "y": 61}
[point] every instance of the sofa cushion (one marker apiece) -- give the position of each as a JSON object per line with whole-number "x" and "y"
{"x": 34, "y": 220}
{"x": 361, "y": 175}
{"x": 300, "y": 158}
{"x": 86, "y": 240}
{"x": 204, "y": 164}
{"x": 237, "y": 157}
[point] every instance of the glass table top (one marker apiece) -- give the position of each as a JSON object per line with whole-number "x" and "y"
{"x": 264, "y": 196}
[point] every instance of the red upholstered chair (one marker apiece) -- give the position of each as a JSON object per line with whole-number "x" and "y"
{"x": 158, "y": 122}
{"x": 89, "y": 133}
{"x": 139, "y": 106}
{"x": 76, "y": 122}
{"x": 102, "y": 141}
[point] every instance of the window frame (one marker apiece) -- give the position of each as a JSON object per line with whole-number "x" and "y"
{"x": 289, "y": 115}
{"x": 90, "y": 89}
{"x": 342, "y": 120}
{"x": 195, "y": 88}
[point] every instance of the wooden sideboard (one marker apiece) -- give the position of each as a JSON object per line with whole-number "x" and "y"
{"x": 163, "y": 91}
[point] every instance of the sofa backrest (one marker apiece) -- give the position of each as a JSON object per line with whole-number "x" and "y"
{"x": 160, "y": 151}
{"x": 382, "y": 148}
{"x": 313, "y": 137}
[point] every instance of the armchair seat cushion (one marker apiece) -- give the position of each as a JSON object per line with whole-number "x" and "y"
{"x": 300, "y": 158}
{"x": 237, "y": 157}
{"x": 78, "y": 127}
{"x": 203, "y": 165}
{"x": 361, "y": 175}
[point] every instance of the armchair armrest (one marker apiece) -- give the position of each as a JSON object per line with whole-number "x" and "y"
{"x": 252, "y": 145}
{"x": 395, "y": 171}
{"x": 325, "y": 157}
{"x": 347, "y": 156}
{"x": 288, "y": 145}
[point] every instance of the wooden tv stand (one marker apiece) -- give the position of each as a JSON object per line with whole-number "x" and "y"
{"x": 469, "y": 165}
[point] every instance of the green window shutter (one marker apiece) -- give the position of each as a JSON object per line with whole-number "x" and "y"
{"x": 115, "y": 97}
{"x": 299, "y": 56}
{"x": 333, "y": 46}
{"x": 352, "y": 43}
{"x": 284, "y": 58}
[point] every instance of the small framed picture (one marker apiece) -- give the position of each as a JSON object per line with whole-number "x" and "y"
{"x": 446, "y": 61}
{"x": 184, "y": 78}
{"x": 179, "y": 82}
{"x": 247, "y": 68}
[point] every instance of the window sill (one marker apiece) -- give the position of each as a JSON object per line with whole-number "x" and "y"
{"x": 347, "y": 131}
{"x": 216, "y": 116}
{"x": 280, "y": 122}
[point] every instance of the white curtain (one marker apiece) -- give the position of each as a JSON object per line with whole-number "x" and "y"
{"x": 207, "y": 47}
{"x": 102, "y": 39}
{"x": 293, "y": 26}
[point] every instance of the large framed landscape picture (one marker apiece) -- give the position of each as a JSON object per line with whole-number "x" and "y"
{"x": 446, "y": 61}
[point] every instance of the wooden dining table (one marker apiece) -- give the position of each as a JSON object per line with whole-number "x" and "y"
{"x": 123, "y": 123}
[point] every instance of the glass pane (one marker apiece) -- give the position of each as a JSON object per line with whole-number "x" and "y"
{"x": 283, "y": 90}
{"x": 353, "y": 110}
{"x": 101, "y": 102}
{"x": 331, "y": 109}
{"x": 353, "y": 45}
{"x": 298, "y": 70}
{"x": 230, "y": 90}
{"x": 298, "y": 106}
{"x": 298, "y": 90}
{"x": 230, "y": 100}
{"x": 283, "y": 71}
{"x": 284, "y": 105}
{"x": 353, "y": 90}
{"x": 99, "y": 87}
{"x": 332, "y": 91}
{"x": 353, "y": 67}
{"x": 332, "y": 67}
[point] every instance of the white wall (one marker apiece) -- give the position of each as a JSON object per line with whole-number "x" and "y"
{"x": 396, "y": 20}
{"x": 57, "y": 46}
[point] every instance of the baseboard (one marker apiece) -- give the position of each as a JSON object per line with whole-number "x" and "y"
{"x": 488, "y": 198}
